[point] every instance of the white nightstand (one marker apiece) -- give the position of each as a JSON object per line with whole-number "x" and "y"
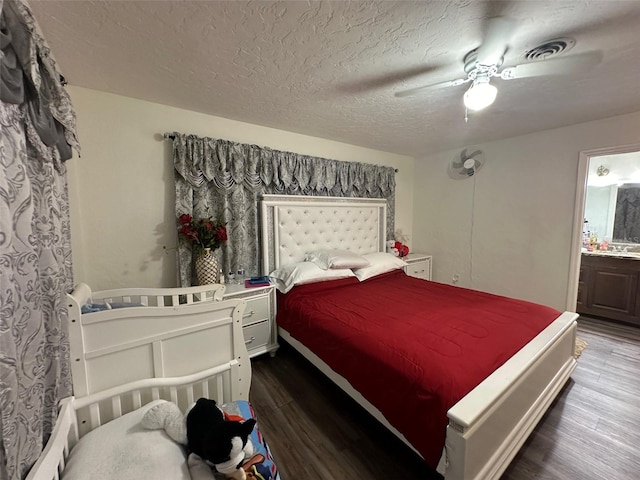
{"x": 258, "y": 323}
{"x": 419, "y": 265}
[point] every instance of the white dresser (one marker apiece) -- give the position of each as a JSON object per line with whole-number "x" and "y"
{"x": 419, "y": 265}
{"x": 258, "y": 323}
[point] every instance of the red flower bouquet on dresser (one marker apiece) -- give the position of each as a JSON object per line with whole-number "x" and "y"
{"x": 203, "y": 233}
{"x": 206, "y": 236}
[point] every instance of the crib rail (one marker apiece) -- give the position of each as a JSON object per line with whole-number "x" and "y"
{"x": 161, "y": 297}
{"x": 99, "y": 408}
{"x": 53, "y": 459}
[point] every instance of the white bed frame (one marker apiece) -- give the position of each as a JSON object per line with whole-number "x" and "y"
{"x": 489, "y": 425}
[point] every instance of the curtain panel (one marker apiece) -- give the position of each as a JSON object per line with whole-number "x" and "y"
{"x": 37, "y": 126}
{"x": 225, "y": 180}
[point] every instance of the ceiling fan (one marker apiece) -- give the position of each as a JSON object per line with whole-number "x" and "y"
{"x": 484, "y": 63}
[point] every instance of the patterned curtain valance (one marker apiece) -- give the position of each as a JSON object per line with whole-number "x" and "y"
{"x": 225, "y": 179}
{"x": 199, "y": 160}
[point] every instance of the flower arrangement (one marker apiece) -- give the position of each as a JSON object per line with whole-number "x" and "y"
{"x": 203, "y": 233}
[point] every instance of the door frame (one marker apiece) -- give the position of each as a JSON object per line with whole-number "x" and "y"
{"x": 578, "y": 214}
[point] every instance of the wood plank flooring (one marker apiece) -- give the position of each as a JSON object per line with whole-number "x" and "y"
{"x": 592, "y": 430}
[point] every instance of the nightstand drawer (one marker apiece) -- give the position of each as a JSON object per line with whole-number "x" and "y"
{"x": 256, "y": 335}
{"x": 258, "y": 320}
{"x": 420, "y": 270}
{"x": 257, "y": 310}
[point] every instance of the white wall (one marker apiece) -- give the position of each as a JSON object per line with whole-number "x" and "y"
{"x": 508, "y": 229}
{"x": 121, "y": 189}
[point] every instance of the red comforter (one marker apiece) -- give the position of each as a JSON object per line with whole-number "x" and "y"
{"x": 413, "y": 348}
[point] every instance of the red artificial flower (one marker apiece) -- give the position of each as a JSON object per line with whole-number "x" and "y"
{"x": 221, "y": 234}
{"x": 204, "y": 233}
{"x": 188, "y": 232}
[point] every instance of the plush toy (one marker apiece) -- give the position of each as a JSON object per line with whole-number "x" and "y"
{"x": 403, "y": 250}
{"x": 210, "y": 435}
{"x": 219, "y": 438}
{"x": 168, "y": 417}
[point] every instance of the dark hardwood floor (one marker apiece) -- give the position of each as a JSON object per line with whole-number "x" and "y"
{"x": 592, "y": 431}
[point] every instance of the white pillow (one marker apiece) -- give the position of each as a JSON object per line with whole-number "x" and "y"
{"x": 379, "y": 262}
{"x": 125, "y": 450}
{"x": 326, "y": 259}
{"x": 285, "y": 278}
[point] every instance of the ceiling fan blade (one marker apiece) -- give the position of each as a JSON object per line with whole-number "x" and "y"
{"x": 554, "y": 66}
{"x": 496, "y": 41}
{"x": 374, "y": 82}
{"x": 434, "y": 86}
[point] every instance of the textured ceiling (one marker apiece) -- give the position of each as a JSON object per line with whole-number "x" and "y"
{"x": 330, "y": 69}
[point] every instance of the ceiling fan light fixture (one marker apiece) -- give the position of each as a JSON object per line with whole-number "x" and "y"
{"x": 480, "y": 95}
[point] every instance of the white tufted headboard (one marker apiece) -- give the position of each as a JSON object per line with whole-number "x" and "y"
{"x": 294, "y": 225}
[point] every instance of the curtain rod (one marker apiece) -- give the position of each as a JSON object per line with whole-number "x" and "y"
{"x": 171, "y": 136}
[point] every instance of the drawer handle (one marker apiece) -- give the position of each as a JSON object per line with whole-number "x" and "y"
{"x": 250, "y": 314}
{"x": 247, "y": 342}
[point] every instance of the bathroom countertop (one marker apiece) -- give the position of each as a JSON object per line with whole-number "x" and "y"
{"x": 610, "y": 253}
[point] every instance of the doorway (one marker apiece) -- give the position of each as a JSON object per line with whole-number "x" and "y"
{"x": 590, "y": 161}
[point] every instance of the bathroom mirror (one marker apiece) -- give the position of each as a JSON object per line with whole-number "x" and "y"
{"x": 612, "y": 208}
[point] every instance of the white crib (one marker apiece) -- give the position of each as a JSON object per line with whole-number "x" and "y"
{"x": 175, "y": 344}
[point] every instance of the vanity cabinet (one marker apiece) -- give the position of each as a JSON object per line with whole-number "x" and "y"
{"x": 609, "y": 287}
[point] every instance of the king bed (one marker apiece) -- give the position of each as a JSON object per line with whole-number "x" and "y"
{"x": 461, "y": 376}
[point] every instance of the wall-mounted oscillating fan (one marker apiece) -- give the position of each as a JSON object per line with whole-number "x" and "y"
{"x": 466, "y": 164}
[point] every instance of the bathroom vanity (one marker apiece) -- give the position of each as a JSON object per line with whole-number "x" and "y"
{"x": 609, "y": 286}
